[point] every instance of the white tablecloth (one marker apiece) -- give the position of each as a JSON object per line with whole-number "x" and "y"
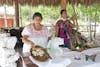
{"x": 68, "y": 60}
{"x": 71, "y": 62}
{"x": 59, "y": 62}
{"x": 83, "y": 63}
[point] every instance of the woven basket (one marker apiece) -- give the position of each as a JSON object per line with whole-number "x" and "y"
{"x": 42, "y": 58}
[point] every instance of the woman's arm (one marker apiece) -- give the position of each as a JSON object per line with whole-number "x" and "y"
{"x": 73, "y": 19}
{"x": 27, "y": 41}
{"x": 72, "y": 24}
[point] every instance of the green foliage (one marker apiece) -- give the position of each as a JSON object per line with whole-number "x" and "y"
{"x": 48, "y": 13}
{"x": 51, "y": 12}
{"x": 92, "y": 12}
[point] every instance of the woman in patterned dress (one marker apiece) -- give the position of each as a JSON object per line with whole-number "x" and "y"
{"x": 35, "y": 34}
{"x": 64, "y": 29}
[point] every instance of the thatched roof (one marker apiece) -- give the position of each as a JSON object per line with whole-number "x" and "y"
{"x": 8, "y": 2}
{"x": 31, "y": 2}
{"x": 84, "y": 2}
{"x": 48, "y": 2}
{"x": 38, "y": 2}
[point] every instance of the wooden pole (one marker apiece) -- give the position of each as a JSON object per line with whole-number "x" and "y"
{"x": 5, "y": 17}
{"x": 95, "y": 25}
{"x": 63, "y": 4}
{"x": 74, "y": 16}
{"x": 17, "y": 13}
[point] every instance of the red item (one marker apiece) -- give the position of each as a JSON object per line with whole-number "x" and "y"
{"x": 9, "y": 22}
{"x": 2, "y": 24}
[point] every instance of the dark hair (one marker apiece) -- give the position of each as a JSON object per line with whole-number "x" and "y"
{"x": 62, "y": 11}
{"x": 37, "y": 14}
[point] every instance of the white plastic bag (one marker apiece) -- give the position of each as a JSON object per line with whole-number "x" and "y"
{"x": 53, "y": 47}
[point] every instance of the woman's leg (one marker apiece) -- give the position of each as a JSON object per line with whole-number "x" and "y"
{"x": 68, "y": 45}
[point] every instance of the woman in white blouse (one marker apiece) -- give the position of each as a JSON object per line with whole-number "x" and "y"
{"x": 35, "y": 34}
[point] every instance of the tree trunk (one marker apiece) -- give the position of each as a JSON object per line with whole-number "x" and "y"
{"x": 63, "y": 4}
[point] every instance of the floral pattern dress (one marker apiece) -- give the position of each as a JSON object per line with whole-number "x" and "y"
{"x": 38, "y": 37}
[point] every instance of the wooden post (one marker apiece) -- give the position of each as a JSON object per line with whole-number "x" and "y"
{"x": 5, "y": 17}
{"x": 95, "y": 25}
{"x": 63, "y": 4}
{"x": 17, "y": 13}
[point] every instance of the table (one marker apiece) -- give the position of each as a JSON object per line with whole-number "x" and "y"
{"x": 58, "y": 62}
{"x": 69, "y": 61}
{"x": 83, "y": 63}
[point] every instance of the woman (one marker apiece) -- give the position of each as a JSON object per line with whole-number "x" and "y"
{"x": 64, "y": 28}
{"x": 35, "y": 34}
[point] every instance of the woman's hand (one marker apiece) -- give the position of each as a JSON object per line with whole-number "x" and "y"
{"x": 32, "y": 44}
{"x": 29, "y": 42}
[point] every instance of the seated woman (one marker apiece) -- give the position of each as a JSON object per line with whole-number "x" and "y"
{"x": 35, "y": 34}
{"x": 64, "y": 29}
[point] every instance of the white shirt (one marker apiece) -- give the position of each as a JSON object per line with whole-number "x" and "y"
{"x": 38, "y": 37}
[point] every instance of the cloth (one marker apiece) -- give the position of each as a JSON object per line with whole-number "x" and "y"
{"x": 8, "y": 42}
{"x": 11, "y": 42}
{"x": 5, "y": 52}
{"x": 70, "y": 60}
{"x": 38, "y": 37}
{"x": 93, "y": 65}
{"x": 60, "y": 62}
{"x": 83, "y": 63}
{"x": 9, "y": 65}
{"x": 64, "y": 30}
{"x": 92, "y": 51}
